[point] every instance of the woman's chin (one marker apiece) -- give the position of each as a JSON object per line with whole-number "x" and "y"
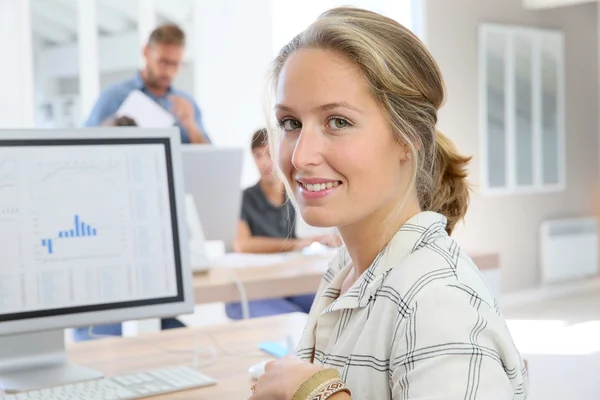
{"x": 318, "y": 218}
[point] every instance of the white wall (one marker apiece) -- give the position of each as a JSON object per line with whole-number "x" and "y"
{"x": 16, "y": 68}
{"x": 232, "y": 56}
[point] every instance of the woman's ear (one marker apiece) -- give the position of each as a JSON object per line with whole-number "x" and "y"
{"x": 408, "y": 151}
{"x": 406, "y": 154}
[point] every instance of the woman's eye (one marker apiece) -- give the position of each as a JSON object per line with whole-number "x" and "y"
{"x": 291, "y": 124}
{"x": 338, "y": 123}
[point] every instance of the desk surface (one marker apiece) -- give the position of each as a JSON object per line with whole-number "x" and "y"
{"x": 297, "y": 276}
{"x": 237, "y": 347}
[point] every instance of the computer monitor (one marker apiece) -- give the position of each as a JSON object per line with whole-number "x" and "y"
{"x": 213, "y": 177}
{"x": 92, "y": 231}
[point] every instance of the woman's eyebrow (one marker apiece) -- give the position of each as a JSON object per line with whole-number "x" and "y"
{"x": 324, "y": 107}
{"x": 337, "y": 104}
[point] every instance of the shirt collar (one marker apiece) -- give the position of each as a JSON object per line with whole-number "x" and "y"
{"x": 414, "y": 234}
{"x": 141, "y": 85}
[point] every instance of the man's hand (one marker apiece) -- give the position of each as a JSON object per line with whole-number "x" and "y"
{"x": 183, "y": 110}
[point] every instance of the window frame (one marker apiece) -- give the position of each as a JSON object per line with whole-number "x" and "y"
{"x": 511, "y": 187}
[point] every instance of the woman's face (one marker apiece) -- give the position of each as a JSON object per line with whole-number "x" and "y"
{"x": 337, "y": 150}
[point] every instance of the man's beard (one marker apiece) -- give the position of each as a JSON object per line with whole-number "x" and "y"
{"x": 154, "y": 82}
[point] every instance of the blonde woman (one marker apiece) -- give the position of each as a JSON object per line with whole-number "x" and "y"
{"x": 403, "y": 312}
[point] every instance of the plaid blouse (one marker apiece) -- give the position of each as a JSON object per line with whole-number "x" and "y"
{"x": 420, "y": 323}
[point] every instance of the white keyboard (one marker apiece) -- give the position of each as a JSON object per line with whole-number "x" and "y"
{"x": 130, "y": 386}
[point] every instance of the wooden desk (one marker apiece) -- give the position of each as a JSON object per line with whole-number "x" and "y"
{"x": 156, "y": 350}
{"x": 298, "y": 276}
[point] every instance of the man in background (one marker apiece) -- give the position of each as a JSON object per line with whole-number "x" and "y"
{"x": 163, "y": 55}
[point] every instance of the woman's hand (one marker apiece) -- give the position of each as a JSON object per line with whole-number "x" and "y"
{"x": 282, "y": 378}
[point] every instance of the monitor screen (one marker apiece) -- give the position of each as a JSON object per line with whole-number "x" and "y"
{"x": 86, "y": 225}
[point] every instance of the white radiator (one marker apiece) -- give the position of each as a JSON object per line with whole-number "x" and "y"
{"x": 569, "y": 249}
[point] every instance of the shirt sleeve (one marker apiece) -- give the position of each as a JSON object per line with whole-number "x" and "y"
{"x": 452, "y": 346}
{"x": 200, "y": 122}
{"x": 293, "y": 219}
{"x": 105, "y": 107}
{"x": 244, "y": 215}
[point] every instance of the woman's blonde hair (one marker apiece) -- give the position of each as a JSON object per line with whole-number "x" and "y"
{"x": 407, "y": 83}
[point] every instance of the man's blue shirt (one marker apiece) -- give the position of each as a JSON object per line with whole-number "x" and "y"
{"x": 111, "y": 99}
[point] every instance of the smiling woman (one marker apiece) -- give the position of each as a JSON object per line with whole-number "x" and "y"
{"x": 402, "y": 312}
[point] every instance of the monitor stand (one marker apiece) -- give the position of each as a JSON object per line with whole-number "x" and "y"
{"x": 37, "y": 360}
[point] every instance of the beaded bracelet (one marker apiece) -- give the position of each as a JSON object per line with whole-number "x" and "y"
{"x": 328, "y": 389}
{"x": 321, "y": 386}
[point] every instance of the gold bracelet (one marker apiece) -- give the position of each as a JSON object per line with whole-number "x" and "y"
{"x": 322, "y": 387}
{"x": 328, "y": 389}
{"x": 324, "y": 383}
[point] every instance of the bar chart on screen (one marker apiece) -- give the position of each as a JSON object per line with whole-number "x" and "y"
{"x": 79, "y": 230}
{"x": 72, "y": 200}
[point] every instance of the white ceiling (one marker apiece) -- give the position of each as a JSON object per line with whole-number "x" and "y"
{"x": 55, "y": 21}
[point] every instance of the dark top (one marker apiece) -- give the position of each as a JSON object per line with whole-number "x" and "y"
{"x": 265, "y": 219}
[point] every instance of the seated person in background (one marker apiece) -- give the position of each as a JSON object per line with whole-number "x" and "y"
{"x": 119, "y": 121}
{"x": 82, "y": 334}
{"x": 268, "y": 219}
{"x": 267, "y": 225}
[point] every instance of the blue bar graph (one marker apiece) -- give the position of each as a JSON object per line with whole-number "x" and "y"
{"x": 80, "y": 229}
{"x": 47, "y": 243}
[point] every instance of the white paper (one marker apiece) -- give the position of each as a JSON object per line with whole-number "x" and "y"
{"x": 247, "y": 260}
{"x": 145, "y": 112}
